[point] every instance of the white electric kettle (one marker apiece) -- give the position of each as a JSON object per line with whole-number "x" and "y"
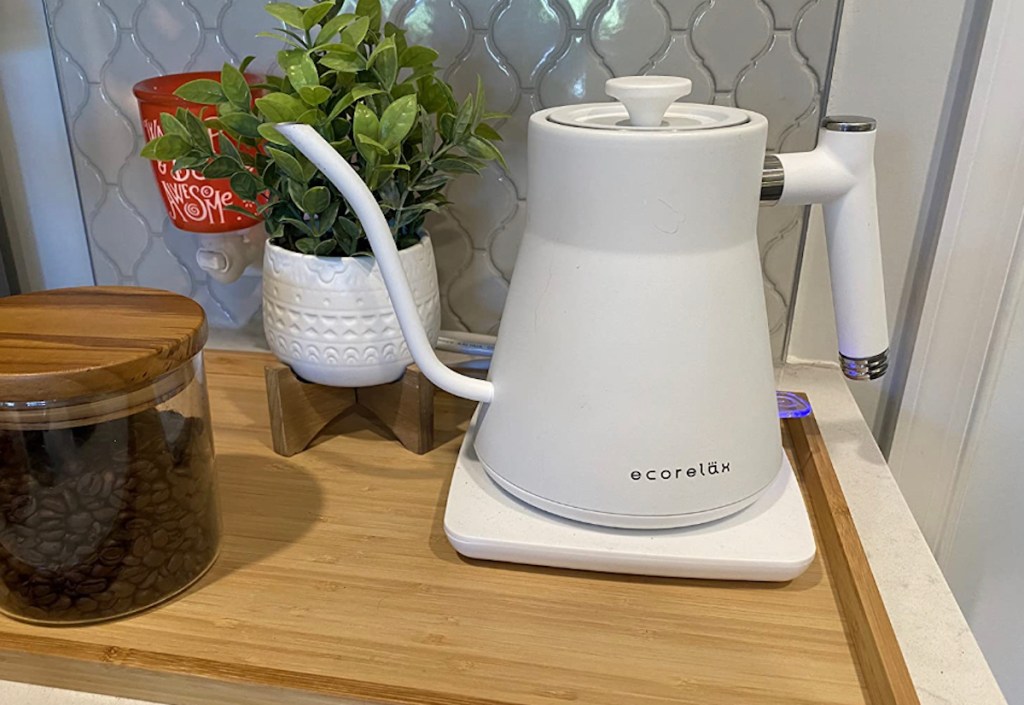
{"x": 632, "y": 384}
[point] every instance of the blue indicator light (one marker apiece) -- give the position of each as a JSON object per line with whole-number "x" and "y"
{"x": 791, "y": 405}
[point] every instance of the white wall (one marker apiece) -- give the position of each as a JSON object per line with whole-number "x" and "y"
{"x": 900, "y": 63}
{"x": 981, "y": 552}
{"x": 37, "y": 186}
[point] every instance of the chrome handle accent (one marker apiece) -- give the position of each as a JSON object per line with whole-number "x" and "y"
{"x": 848, "y": 123}
{"x": 773, "y": 178}
{"x": 864, "y": 368}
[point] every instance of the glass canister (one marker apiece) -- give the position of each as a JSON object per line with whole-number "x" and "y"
{"x": 108, "y": 501}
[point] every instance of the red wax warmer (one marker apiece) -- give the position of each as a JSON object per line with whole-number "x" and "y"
{"x": 193, "y": 202}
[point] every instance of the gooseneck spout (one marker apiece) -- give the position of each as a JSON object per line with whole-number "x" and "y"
{"x": 382, "y": 242}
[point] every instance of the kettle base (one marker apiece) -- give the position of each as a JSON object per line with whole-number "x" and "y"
{"x": 770, "y": 540}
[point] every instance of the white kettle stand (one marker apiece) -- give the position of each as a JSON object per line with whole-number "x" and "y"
{"x": 771, "y": 540}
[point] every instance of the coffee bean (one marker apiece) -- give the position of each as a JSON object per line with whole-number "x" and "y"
{"x": 86, "y": 604}
{"x": 112, "y": 555}
{"x": 79, "y": 521}
{"x": 142, "y": 546}
{"x": 21, "y": 508}
{"x": 49, "y": 548}
{"x": 174, "y": 563}
{"x": 53, "y": 505}
{"x": 149, "y": 580}
{"x": 154, "y": 559}
{"x": 91, "y": 587}
{"x": 46, "y": 600}
{"x": 105, "y": 514}
{"x": 90, "y": 484}
{"x": 105, "y": 519}
{"x": 161, "y": 538}
{"x": 53, "y": 535}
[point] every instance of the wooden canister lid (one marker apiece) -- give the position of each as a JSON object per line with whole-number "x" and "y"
{"x": 66, "y": 345}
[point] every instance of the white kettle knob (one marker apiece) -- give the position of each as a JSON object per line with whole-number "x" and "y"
{"x": 647, "y": 97}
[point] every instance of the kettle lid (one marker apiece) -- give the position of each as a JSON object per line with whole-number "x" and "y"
{"x": 647, "y": 103}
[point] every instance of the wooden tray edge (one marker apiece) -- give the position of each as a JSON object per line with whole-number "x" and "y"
{"x": 876, "y": 648}
{"x": 66, "y": 664}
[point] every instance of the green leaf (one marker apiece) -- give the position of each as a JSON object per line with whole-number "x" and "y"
{"x": 189, "y": 161}
{"x": 371, "y": 143}
{"x": 235, "y": 87}
{"x": 311, "y": 16}
{"x": 354, "y": 34}
{"x": 221, "y": 168}
{"x": 287, "y": 38}
{"x": 332, "y": 27}
{"x": 432, "y": 95}
{"x": 397, "y": 121}
{"x": 246, "y": 185}
{"x": 300, "y": 225}
{"x": 429, "y": 183}
{"x": 324, "y": 248}
{"x": 299, "y": 68}
{"x": 270, "y": 133}
{"x": 316, "y": 199}
{"x": 171, "y": 126}
{"x": 417, "y": 56}
{"x": 280, "y": 107}
{"x": 463, "y": 120}
{"x": 457, "y": 166}
{"x": 287, "y": 164}
{"x": 204, "y": 91}
{"x": 394, "y": 167}
{"x": 198, "y": 131}
{"x": 402, "y": 89}
{"x": 228, "y": 149}
{"x": 287, "y": 13}
{"x": 393, "y": 30}
{"x": 314, "y": 95}
{"x": 348, "y": 61}
{"x": 384, "y": 61}
{"x": 482, "y": 149}
{"x": 446, "y": 126}
{"x": 428, "y": 135}
{"x": 346, "y": 233}
{"x": 309, "y": 169}
{"x": 487, "y": 132}
{"x": 382, "y": 46}
{"x": 312, "y": 116}
{"x": 166, "y": 148}
{"x": 478, "y": 103}
{"x": 365, "y": 122}
{"x": 245, "y": 63}
{"x": 370, "y": 9}
{"x": 243, "y": 123}
{"x": 357, "y": 93}
{"x": 325, "y": 220}
{"x": 306, "y": 245}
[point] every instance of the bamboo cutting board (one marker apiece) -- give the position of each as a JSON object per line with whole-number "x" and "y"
{"x": 336, "y": 584}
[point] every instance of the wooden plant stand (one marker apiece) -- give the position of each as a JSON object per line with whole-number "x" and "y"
{"x": 300, "y": 410}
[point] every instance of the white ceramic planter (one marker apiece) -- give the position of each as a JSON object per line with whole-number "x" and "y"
{"x": 330, "y": 318}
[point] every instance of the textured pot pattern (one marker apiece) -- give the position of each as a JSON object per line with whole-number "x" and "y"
{"x": 330, "y": 318}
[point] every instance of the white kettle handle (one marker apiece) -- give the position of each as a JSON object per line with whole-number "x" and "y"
{"x": 382, "y": 242}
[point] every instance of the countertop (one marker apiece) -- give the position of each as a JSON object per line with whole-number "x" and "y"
{"x": 943, "y": 657}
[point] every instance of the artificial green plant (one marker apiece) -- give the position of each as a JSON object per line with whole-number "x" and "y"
{"x": 375, "y": 98}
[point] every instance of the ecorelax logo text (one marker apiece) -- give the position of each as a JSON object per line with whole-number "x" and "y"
{"x": 712, "y": 467}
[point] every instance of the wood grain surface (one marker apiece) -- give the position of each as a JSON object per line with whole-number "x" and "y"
{"x": 66, "y": 344}
{"x": 336, "y": 584}
{"x": 871, "y": 633}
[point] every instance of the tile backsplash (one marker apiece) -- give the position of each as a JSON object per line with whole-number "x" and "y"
{"x": 771, "y": 56}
